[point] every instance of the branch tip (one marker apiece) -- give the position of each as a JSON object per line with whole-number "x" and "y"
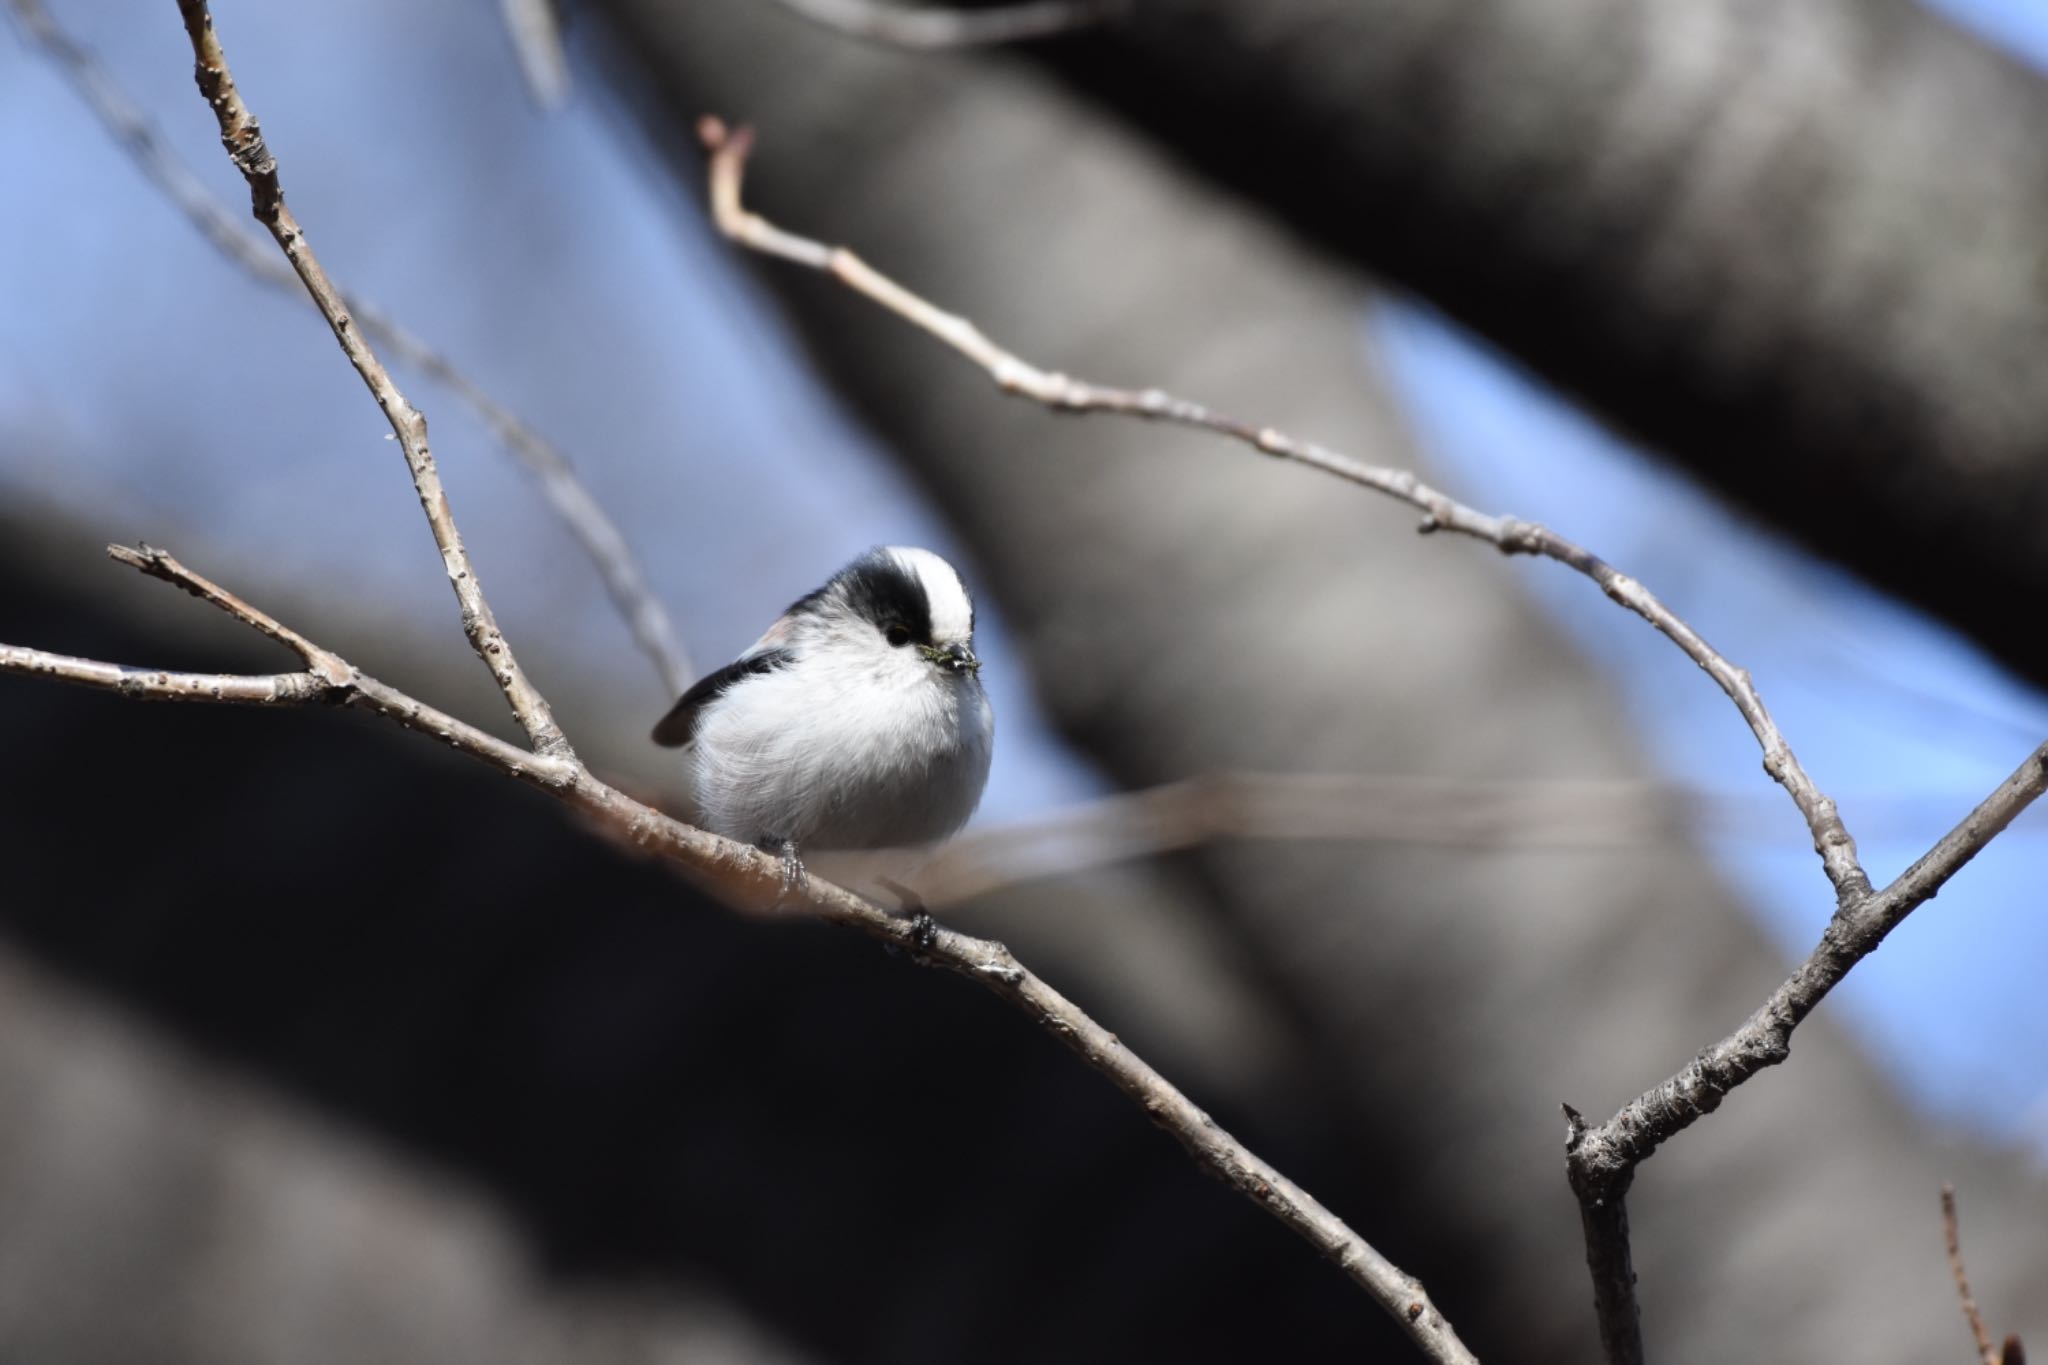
{"x": 1951, "y": 1228}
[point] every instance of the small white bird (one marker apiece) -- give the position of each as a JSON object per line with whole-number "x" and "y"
{"x": 856, "y": 721}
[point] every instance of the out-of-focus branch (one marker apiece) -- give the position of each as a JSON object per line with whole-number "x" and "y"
{"x": 580, "y": 513}
{"x": 1291, "y": 806}
{"x": 243, "y": 138}
{"x": 1953, "y": 1237}
{"x": 536, "y": 34}
{"x": 750, "y": 879}
{"x": 2013, "y": 1353}
{"x": 729, "y": 149}
{"x": 1563, "y": 815}
{"x": 930, "y": 28}
{"x": 1421, "y": 811}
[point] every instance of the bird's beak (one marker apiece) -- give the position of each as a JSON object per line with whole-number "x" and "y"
{"x": 953, "y": 658}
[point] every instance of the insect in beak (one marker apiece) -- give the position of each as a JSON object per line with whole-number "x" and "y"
{"x": 952, "y": 658}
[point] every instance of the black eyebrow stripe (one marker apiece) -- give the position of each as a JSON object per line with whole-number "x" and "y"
{"x": 879, "y": 590}
{"x": 679, "y": 726}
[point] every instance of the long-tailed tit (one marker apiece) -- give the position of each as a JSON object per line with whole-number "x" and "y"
{"x": 856, "y": 721}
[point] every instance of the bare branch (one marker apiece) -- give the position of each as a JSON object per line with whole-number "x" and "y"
{"x": 243, "y": 139}
{"x": 729, "y": 149}
{"x": 625, "y": 583}
{"x": 537, "y": 37}
{"x": 155, "y": 684}
{"x": 930, "y": 28}
{"x": 157, "y": 564}
{"x": 750, "y": 879}
{"x": 1952, "y": 1234}
{"x": 1606, "y": 1154}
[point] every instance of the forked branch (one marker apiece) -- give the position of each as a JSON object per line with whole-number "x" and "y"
{"x": 243, "y": 138}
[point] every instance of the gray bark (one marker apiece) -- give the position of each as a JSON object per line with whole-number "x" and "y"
{"x": 1188, "y": 608}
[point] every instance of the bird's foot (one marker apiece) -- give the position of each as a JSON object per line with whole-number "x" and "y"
{"x": 924, "y": 930}
{"x": 795, "y": 881}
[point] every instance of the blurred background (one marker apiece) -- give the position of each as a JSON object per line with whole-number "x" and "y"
{"x": 317, "y": 1044}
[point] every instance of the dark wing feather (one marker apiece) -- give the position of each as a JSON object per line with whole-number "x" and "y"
{"x": 679, "y": 726}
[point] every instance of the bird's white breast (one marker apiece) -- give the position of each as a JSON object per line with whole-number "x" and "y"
{"x": 859, "y": 752}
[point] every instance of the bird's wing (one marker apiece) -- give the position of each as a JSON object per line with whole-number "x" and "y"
{"x": 679, "y": 726}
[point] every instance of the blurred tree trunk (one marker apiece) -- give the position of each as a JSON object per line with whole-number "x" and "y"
{"x": 1796, "y": 247}
{"x": 1188, "y": 608}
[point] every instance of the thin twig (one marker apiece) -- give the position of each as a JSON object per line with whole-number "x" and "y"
{"x": 243, "y": 139}
{"x": 536, "y": 35}
{"x": 625, "y": 583}
{"x": 751, "y": 879}
{"x": 1179, "y": 815}
{"x": 931, "y": 28}
{"x": 1952, "y": 1234}
{"x": 729, "y": 149}
{"x": 154, "y": 562}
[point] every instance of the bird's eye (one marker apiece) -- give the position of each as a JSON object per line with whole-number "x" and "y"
{"x": 897, "y": 633}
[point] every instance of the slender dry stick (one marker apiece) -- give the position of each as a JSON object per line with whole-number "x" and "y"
{"x": 930, "y": 28}
{"x": 750, "y": 879}
{"x": 536, "y": 35}
{"x": 1510, "y": 535}
{"x": 1952, "y": 1235}
{"x": 243, "y": 139}
{"x": 1601, "y": 1161}
{"x": 625, "y": 583}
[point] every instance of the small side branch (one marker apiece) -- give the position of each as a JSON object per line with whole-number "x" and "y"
{"x": 931, "y": 28}
{"x": 1952, "y": 1235}
{"x": 729, "y": 150}
{"x": 243, "y": 138}
{"x": 2012, "y": 1353}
